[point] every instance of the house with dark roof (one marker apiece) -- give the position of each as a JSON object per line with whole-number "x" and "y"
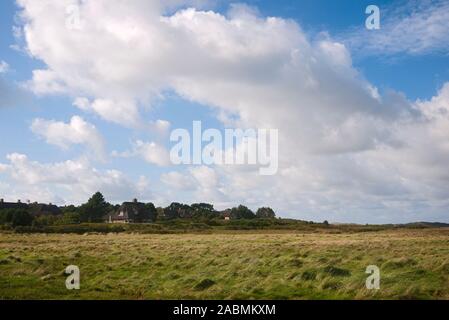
{"x": 36, "y": 209}
{"x": 12, "y": 205}
{"x": 226, "y": 214}
{"x": 131, "y": 212}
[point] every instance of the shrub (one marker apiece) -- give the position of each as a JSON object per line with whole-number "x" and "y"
{"x": 6, "y": 216}
{"x": 265, "y": 213}
{"x": 44, "y": 221}
{"x": 242, "y": 212}
{"x": 70, "y": 218}
{"x": 21, "y": 218}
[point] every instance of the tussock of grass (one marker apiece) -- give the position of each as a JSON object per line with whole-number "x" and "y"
{"x": 331, "y": 285}
{"x": 444, "y": 267}
{"x": 337, "y": 272}
{"x": 402, "y": 262}
{"x": 204, "y": 284}
{"x": 308, "y": 275}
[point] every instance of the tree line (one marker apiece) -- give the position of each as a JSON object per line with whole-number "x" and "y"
{"x": 97, "y": 209}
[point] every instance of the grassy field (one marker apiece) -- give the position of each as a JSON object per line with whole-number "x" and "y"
{"x": 414, "y": 264}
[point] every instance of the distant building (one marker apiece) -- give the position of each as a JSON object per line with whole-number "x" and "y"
{"x": 131, "y": 212}
{"x": 226, "y": 214}
{"x": 12, "y": 205}
{"x": 36, "y": 209}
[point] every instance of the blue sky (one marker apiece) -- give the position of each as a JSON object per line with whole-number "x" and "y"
{"x": 361, "y": 175}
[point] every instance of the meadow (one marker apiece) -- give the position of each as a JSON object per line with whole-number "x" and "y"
{"x": 264, "y": 264}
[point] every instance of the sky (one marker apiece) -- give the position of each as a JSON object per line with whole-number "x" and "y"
{"x": 90, "y": 92}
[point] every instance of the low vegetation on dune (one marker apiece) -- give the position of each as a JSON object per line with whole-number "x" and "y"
{"x": 290, "y": 264}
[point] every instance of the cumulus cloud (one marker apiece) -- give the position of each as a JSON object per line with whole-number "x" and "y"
{"x": 63, "y": 135}
{"x": 239, "y": 64}
{"x": 122, "y": 112}
{"x": 177, "y": 180}
{"x": 151, "y": 152}
{"x": 401, "y": 181}
{"x": 197, "y": 184}
{"x": 161, "y": 127}
{"x": 346, "y": 151}
{"x": 65, "y": 182}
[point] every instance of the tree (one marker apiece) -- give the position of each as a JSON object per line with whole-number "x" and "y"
{"x": 242, "y": 212}
{"x": 150, "y": 212}
{"x": 160, "y": 213}
{"x": 265, "y": 213}
{"x": 21, "y": 218}
{"x": 46, "y": 220}
{"x": 172, "y": 211}
{"x": 204, "y": 211}
{"x": 203, "y": 206}
{"x": 178, "y": 210}
{"x": 95, "y": 209}
{"x": 70, "y": 218}
{"x": 16, "y": 217}
{"x": 69, "y": 209}
{"x": 326, "y": 223}
{"x": 6, "y": 216}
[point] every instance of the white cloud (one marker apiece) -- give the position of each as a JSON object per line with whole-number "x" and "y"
{"x": 122, "y": 112}
{"x": 151, "y": 152}
{"x": 346, "y": 152}
{"x": 196, "y": 184}
{"x": 413, "y": 27}
{"x": 161, "y": 127}
{"x": 3, "y": 167}
{"x": 4, "y": 67}
{"x": 205, "y": 177}
{"x": 46, "y": 82}
{"x": 63, "y": 135}
{"x": 177, "y": 181}
{"x": 73, "y": 181}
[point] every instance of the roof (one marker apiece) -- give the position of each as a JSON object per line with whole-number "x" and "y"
{"x": 13, "y": 205}
{"x": 129, "y": 211}
{"x": 34, "y": 208}
{"x": 226, "y": 213}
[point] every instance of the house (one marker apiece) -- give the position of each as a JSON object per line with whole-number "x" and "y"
{"x": 36, "y": 209}
{"x": 12, "y": 205}
{"x": 226, "y": 214}
{"x": 131, "y": 212}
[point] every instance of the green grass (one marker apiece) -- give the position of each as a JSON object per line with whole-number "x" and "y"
{"x": 227, "y": 265}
